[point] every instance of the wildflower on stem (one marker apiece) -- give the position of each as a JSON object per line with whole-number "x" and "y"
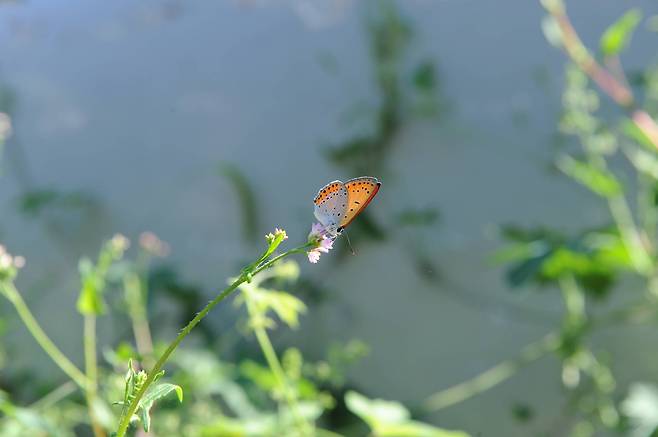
{"x": 278, "y": 236}
{"x": 153, "y": 245}
{"x": 265, "y": 261}
{"x": 9, "y": 265}
{"x": 118, "y": 244}
{"x": 322, "y": 243}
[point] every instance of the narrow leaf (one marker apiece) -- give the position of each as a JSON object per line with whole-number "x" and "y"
{"x": 632, "y": 131}
{"x": 161, "y": 390}
{"x": 618, "y": 35}
{"x": 153, "y": 394}
{"x": 552, "y": 31}
{"x": 598, "y": 180}
{"x": 376, "y": 411}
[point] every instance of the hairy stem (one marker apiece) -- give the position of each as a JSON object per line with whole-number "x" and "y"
{"x": 125, "y": 420}
{"x": 574, "y": 300}
{"x": 134, "y": 288}
{"x": 623, "y": 218}
{"x": 55, "y": 396}
{"x": 91, "y": 368}
{"x": 71, "y": 370}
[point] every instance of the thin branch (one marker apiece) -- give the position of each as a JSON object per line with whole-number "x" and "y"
{"x": 91, "y": 368}
{"x": 59, "y": 393}
{"x": 493, "y": 376}
{"x": 617, "y": 89}
{"x": 13, "y": 295}
{"x": 246, "y": 275}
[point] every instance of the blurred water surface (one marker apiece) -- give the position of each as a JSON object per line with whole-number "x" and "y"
{"x": 134, "y": 105}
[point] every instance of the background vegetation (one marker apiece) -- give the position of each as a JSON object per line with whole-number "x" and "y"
{"x": 496, "y": 289}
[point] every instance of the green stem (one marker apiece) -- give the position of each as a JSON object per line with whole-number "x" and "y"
{"x": 574, "y": 300}
{"x": 91, "y": 368}
{"x": 622, "y": 216}
{"x": 646, "y": 208}
{"x": 55, "y": 396}
{"x": 617, "y": 89}
{"x": 125, "y": 420}
{"x": 12, "y": 294}
{"x": 493, "y": 376}
{"x": 276, "y": 368}
{"x": 638, "y": 312}
{"x": 135, "y": 294}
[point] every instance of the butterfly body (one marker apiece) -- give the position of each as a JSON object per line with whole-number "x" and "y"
{"x": 338, "y": 203}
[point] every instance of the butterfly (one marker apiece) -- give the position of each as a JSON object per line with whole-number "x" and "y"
{"x": 337, "y": 204}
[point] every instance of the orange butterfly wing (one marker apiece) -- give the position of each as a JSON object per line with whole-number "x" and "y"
{"x": 332, "y": 188}
{"x": 360, "y": 191}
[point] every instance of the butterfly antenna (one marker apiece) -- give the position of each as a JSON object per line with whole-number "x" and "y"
{"x": 349, "y": 243}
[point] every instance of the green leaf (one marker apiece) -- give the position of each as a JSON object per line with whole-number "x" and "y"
{"x": 93, "y": 277}
{"x": 593, "y": 257}
{"x": 26, "y": 417}
{"x": 377, "y": 411}
{"x": 618, "y": 35}
{"x": 645, "y": 162}
{"x": 145, "y": 418}
{"x": 553, "y": 6}
{"x": 260, "y": 375}
{"x": 392, "y": 419}
{"x": 523, "y": 413}
{"x": 416, "y": 429}
{"x": 202, "y": 373}
{"x": 286, "y": 306}
{"x": 552, "y": 31}
{"x": 38, "y": 201}
{"x": 632, "y": 131}
{"x": 526, "y": 270}
{"x": 425, "y": 77}
{"x": 153, "y": 394}
{"x": 641, "y": 408}
{"x": 90, "y": 301}
{"x": 600, "y": 181}
{"x": 512, "y": 253}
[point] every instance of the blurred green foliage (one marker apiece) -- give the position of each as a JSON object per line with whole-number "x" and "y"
{"x": 247, "y": 200}
{"x": 390, "y": 37}
{"x": 392, "y": 419}
{"x": 542, "y": 256}
{"x": 617, "y": 37}
{"x": 251, "y": 397}
{"x": 36, "y": 202}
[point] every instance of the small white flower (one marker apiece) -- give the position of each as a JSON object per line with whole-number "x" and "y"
{"x": 323, "y": 244}
{"x": 19, "y": 262}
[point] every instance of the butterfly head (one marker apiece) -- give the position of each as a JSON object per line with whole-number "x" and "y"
{"x": 333, "y": 231}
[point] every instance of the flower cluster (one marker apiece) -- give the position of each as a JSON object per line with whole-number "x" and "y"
{"x": 9, "y": 265}
{"x": 118, "y": 245}
{"x": 153, "y": 245}
{"x": 322, "y": 243}
{"x": 279, "y": 234}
